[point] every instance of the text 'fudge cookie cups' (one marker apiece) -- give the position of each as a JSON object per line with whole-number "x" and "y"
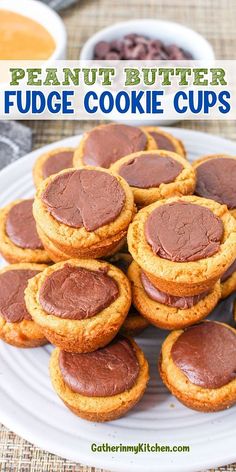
{"x": 83, "y": 213}
{"x": 168, "y": 311}
{"x": 19, "y": 239}
{"x": 228, "y": 281}
{"x": 51, "y": 163}
{"x": 216, "y": 179}
{"x": 198, "y": 366}
{"x": 165, "y": 140}
{"x": 105, "y": 144}
{"x": 79, "y": 304}
{"x": 102, "y": 385}
{"x": 154, "y": 175}
{"x": 16, "y": 325}
{"x": 183, "y": 244}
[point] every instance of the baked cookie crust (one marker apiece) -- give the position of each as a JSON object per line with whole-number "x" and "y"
{"x": 100, "y": 408}
{"x": 79, "y": 152}
{"x": 83, "y": 335}
{"x": 177, "y": 143}
{"x": 26, "y": 333}
{"x": 77, "y": 242}
{"x": 164, "y": 316}
{"x": 183, "y": 278}
{"x": 9, "y": 250}
{"x": 39, "y": 163}
{"x": 184, "y": 183}
{"x": 193, "y": 396}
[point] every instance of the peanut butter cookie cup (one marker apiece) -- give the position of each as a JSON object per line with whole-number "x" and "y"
{"x": 198, "y": 366}
{"x": 83, "y": 213}
{"x": 51, "y": 163}
{"x": 80, "y": 305}
{"x": 105, "y": 144}
{"x": 102, "y": 385}
{"x": 165, "y": 140}
{"x": 19, "y": 239}
{"x": 167, "y": 311}
{"x": 16, "y": 325}
{"x": 154, "y": 175}
{"x": 183, "y": 244}
{"x": 216, "y": 179}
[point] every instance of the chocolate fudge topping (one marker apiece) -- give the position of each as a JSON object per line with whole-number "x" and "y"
{"x": 108, "y": 371}
{"x": 21, "y": 227}
{"x": 12, "y": 286}
{"x": 229, "y": 272}
{"x": 183, "y": 232}
{"x": 162, "y": 141}
{"x": 206, "y": 354}
{"x": 107, "y": 144}
{"x": 77, "y": 293}
{"x": 150, "y": 170}
{"x": 57, "y": 162}
{"x": 84, "y": 197}
{"x": 183, "y": 303}
{"x": 216, "y": 179}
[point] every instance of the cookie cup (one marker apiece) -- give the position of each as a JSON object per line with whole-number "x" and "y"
{"x": 77, "y": 242}
{"x": 184, "y": 183}
{"x": 85, "y": 335}
{"x": 79, "y": 152}
{"x": 13, "y": 253}
{"x": 177, "y": 143}
{"x": 168, "y": 317}
{"x": 100, "y": 408}
{"x": 191, "y": 395}
{"x": 209, "y": 157}
{"x": 183, "y": 278}
{"x": 39, "y": 163}
{"x": 26, "y": 333}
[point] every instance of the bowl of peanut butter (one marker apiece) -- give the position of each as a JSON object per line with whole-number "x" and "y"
{"x": 30, "y": 30}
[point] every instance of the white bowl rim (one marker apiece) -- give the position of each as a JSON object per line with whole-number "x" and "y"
{"x": 24, "y": 7}
{"x": 99, "y": 35}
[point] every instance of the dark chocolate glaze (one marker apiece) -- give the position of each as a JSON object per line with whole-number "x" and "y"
{"x": 57, "y": 162}
{"x": 88, "y": 198}
{"x": 216, "y": 179}
{"x": 183, "y": 232}
{"x": 162, "y": 141}
{"x": 21, "y": 226}
{"x": 183, "y": 303}
{"x": 108, "y": 371}
{"x": 77, "y": 293}
{"x": 150, "y": 170}
{"x": 206, "y": 354}
{"x": 12, "y": 286}
{"x": 107, "y": 144}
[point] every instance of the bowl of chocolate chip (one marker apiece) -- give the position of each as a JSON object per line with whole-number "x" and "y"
{"x": 147, "y": 39}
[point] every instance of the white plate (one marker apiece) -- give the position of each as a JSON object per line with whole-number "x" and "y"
{"x": 29, "y": 406}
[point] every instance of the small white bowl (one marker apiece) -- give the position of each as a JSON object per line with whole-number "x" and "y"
{"x": 46, "y": 17}
{"x": 167, "y": 31}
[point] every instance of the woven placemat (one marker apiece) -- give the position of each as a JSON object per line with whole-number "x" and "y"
{"x": 212, "y": 18}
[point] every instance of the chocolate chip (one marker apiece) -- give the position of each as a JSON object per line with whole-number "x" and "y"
{"x": 101, "y": 49}
{"x": 135, "y": 46}
{"x": 112, "y": 55}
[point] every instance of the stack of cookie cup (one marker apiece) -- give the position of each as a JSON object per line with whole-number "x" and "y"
{"x": 57, "y": 290}
{"x": 181, "y": 248}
